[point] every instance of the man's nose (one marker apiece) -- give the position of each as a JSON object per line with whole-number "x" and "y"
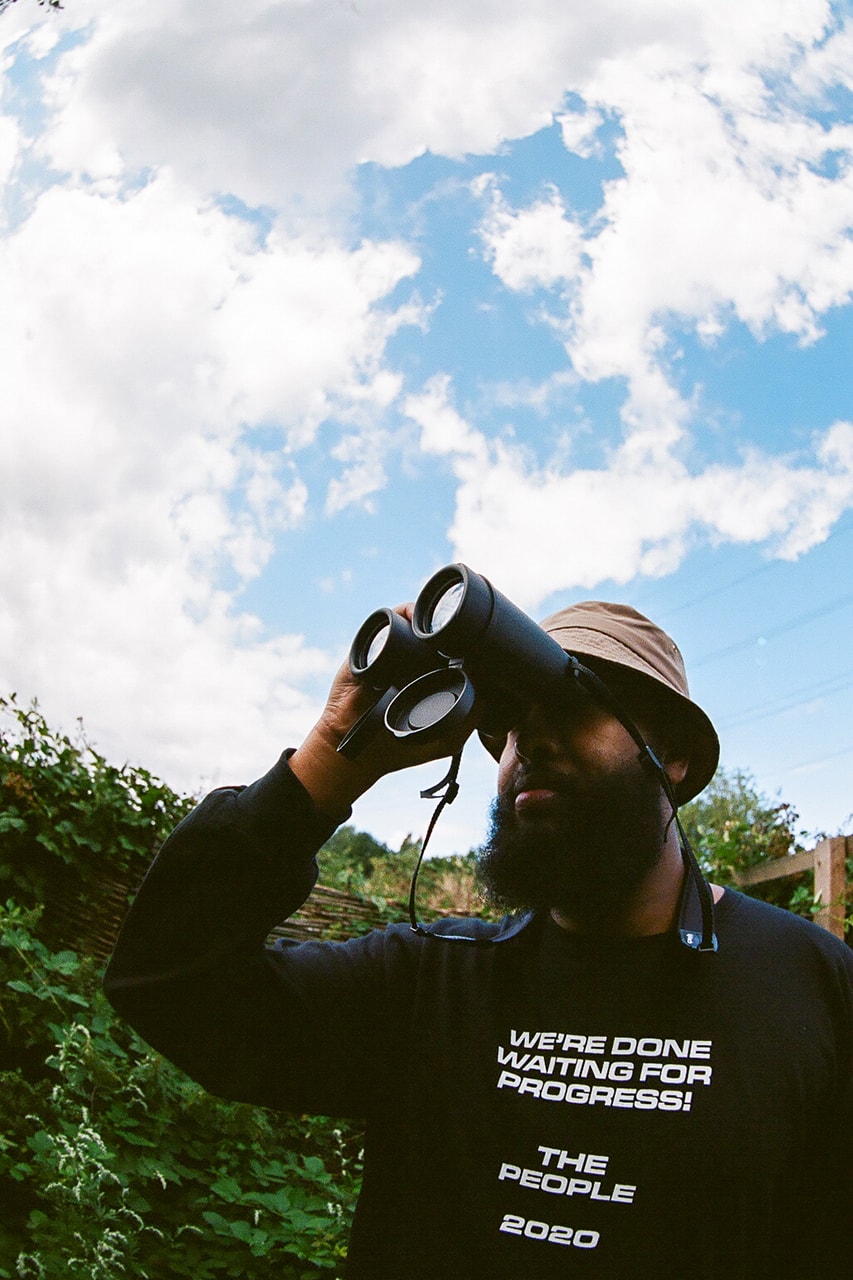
{"x": 536, "y": 738}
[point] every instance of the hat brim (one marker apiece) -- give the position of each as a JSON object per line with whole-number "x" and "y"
{"x": 703, "y": 745}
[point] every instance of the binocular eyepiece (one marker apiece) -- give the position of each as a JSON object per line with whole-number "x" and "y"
{"x": 469, "y": 656}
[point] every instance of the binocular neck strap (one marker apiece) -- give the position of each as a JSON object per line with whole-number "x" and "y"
{"x": 696, "y": 925}
{"x": 445, "y": 792}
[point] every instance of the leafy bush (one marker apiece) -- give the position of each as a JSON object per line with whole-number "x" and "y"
{"x": 732, "y": 827}
{"x": 354, "y": 861}
{"x": 113, "y": 1163}
{"x": 77, "y": 833}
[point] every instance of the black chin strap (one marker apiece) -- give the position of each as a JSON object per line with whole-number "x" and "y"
{"x": 696, "y": 925}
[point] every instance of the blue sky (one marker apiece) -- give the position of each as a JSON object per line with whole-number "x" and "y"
{"x": 308, "y": 299}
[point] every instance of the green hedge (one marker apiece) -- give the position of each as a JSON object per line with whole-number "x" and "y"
{"x": 112, "y": 1163}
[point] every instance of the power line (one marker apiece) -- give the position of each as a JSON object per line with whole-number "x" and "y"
{"x": 791, "y": 702}
{"x": 773, "y": 632}
{"x": 726, "y": 586}
{"x": 812, "y": 764}
{"x": 746, "y": 577}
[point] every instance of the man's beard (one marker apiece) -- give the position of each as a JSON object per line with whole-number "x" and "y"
{"x": 586, "y": 857}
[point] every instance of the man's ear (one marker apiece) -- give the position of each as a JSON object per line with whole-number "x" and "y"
{"x": 676, "y": 769}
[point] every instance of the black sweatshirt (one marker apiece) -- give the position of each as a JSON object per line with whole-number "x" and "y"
{"x": 538, "y": 1104}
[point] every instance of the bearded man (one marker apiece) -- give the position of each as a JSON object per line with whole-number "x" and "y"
{"x": 582, "y": 1089}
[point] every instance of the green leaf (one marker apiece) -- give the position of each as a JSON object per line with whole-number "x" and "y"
{"x": 216, "y": 1220}
{"x": 227, "y": 1189}
{"x": 66, "y": 962}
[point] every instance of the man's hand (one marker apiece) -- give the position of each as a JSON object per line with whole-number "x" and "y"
{"x": 334, "y": 781}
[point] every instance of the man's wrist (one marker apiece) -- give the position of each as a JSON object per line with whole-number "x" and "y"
{"x": 332, "y": 780}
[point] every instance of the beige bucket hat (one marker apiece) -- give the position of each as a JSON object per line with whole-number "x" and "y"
{"x": 618, "y": 634}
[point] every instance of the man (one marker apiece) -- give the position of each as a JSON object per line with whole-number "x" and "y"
{"x": 573, "y": 1091}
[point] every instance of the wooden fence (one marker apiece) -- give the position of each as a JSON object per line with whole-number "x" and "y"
{"x": 828, "y": 862}
{"x": 89, "y": 923}
{"x": 332, "y": 913}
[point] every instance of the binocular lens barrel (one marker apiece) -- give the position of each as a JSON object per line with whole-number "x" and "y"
{"x": 464, "y": 637}
{"x": 370, "y": 640}
{"x": 463, "y": 616}
{"x": 445, "y": 607}
{"x": 385, "y": 652}
{"x": 432, "y": 705}
{"x": 453, "y": 610}
{"x": 377, "y": 644}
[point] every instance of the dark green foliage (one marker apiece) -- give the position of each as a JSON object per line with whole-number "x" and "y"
{"x": 348, "y": 859}
{"x": 355, "y": 861}
{"x": 731, "y": 827}
{"x": 76, "y": 833}
{"x": 46, "y": 4}
{"x": 114, "y": 1164}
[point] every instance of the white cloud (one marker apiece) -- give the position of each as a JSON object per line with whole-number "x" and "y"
{"x": 538, "y": 530}
{"x": 328, "y": 88}
{"x": 302, "y": 328}
{"x": 152, "y": 333}
{"x": 9, "y": 143}
{"x": 278, "y": 101}
{"x": 828, "y": 63}
{"x": 363, "y": 475}
{"x": 579, "y": 129}
{"x": 734, "y": 202}
{"x": 536, "y": 248}
{"x": 443, "y": 430}
{"x": 722, "y": 210}
{"x": 714, "y": 216}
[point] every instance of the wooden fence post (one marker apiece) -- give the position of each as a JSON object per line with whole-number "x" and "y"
{"x": 827, "y": 861}
{"x": 830, "y": 883}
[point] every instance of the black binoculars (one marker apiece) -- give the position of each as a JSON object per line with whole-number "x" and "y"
{"x": 469, "y": 656}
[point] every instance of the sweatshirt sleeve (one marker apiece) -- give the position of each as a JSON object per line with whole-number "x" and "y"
{"x": 287, "y": 1027}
